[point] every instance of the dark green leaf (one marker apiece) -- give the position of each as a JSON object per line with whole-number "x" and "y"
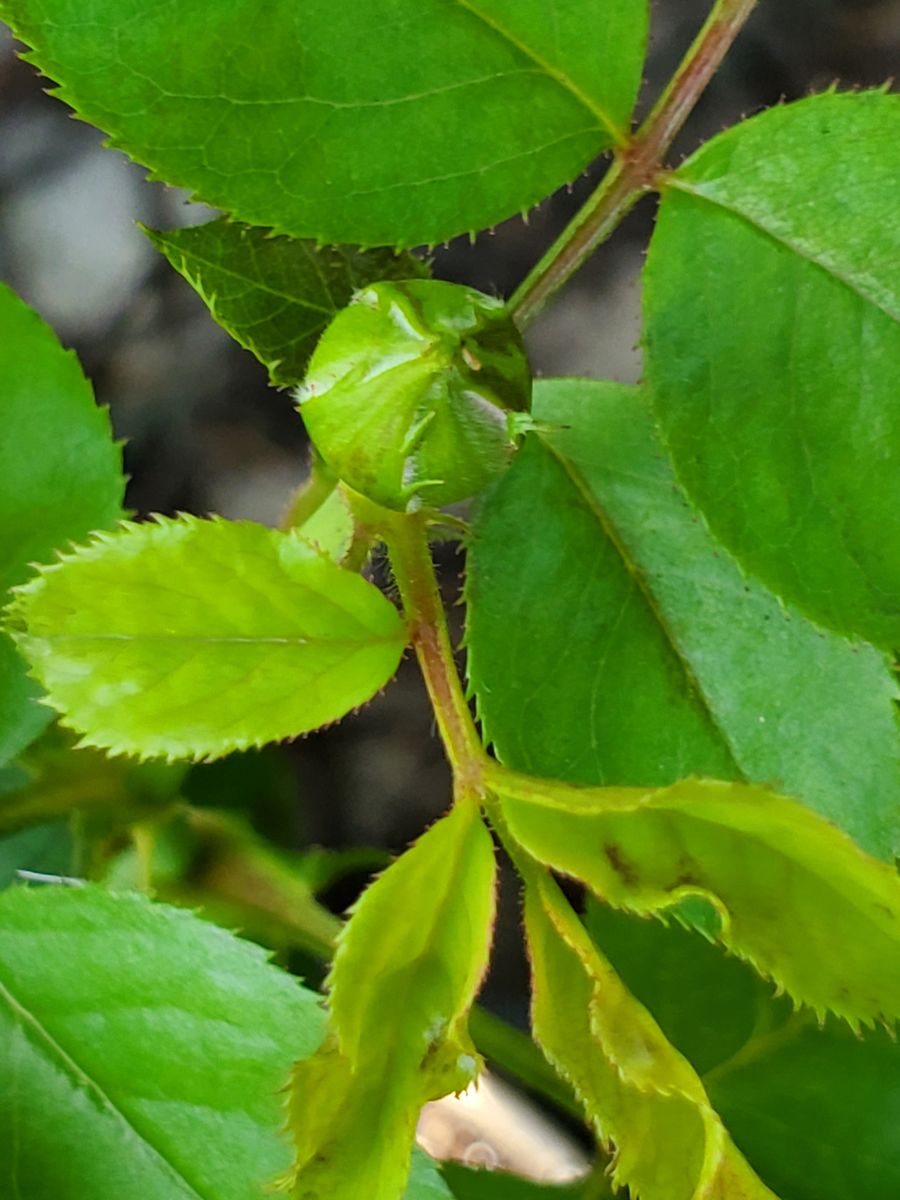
{"x": 60, "y": 477}
{"x": 815, "y": 1110}
{"x": 375, "y": 122}
{"x": 46, "y": 849}
{"x": 817, "y": 1113}
{"x": 142, "y": 1050}
{"x": 275, "y": 295}
{"x": 612, "y": 641}
{"x": 773, "y": 339}
{"x": 425, "y": 1179}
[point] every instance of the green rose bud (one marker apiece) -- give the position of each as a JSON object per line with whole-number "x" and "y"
{"x": 413, "y": 393}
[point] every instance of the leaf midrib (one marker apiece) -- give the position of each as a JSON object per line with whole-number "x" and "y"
{"x": 633, "y": 568}
{"x": 216, "y": 640}
{"x": 596, "y": 110}
{"x": 188, "y": 254}
{"x": 70, "y": 1067}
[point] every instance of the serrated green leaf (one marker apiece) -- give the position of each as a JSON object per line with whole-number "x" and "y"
{"x": 637, "y": 1089}
{"x": 815, "y": 1110}
{"x": 773, "y": 350}
{"x": 408, "y": 967}
{"x": 275, "y": 295}
{"x": 153, "y": 1073}
{"x": 190, "y": 638}
{"x": 795, "y": 897}
{"x": 611, "y": 640}
{"x": 60, "y": 477}
{"x": 331, "y": 527}
{"x": 455, "y": 114}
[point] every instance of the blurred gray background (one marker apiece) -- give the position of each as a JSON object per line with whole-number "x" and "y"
{"x": 204, "y": 431}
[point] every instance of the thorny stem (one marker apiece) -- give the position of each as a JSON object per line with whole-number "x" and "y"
{"x": 636, "y": 166}
{"x": 407, "y": 542}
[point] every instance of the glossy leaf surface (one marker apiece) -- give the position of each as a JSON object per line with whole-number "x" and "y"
{"x": 60, "y": 477}
{"x": 637, "y": 1090}
{"x": 412, "y": 389}
{"x": 788, "y": 887}
{"x": 773, "y": 349}
{"x": 611, "y": 640}
{"x": 190, "y": 638}
{"x": 455, "y": 114}
{"x": 407, "y": 969}
{"x": 815, "y": 1110}
{"x": 153, "y": 1073}
{"x": 275, "y": 295}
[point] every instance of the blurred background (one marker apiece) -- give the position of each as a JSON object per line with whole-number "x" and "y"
{"x": 206, "y": 434}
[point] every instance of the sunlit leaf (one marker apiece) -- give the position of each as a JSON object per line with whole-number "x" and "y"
{"x": 407, "y": 969}
{"x": 190, "y": 638}
{"x": 795, "y": 897}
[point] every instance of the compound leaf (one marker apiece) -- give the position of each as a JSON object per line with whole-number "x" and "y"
{"x": 407, "y": 969}
{"x": 611, "y": 640}
{"x": 143, "y": 1051}
{"x": 275, "y": 295}
{"x": 788, "y": 887}
{"x": 814, "y": 1109}
{"x": 190, "y": 638}
{"x": 60, "y": 477}
{"x": 638, "y": 1091}
{"x": 773, "y": 351}
{"x": 454, "y": 115}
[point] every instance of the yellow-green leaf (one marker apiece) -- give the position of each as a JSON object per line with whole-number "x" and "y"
{"x": 640, "y": 1094}
{"x": 795, "y": 896}
{"x": 407, "y": 969}
{"x": 191, "y": 638}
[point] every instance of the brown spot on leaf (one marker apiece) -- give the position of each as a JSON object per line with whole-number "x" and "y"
{"x": 622, "y": 868}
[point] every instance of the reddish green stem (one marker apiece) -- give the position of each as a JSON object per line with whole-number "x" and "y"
{"x": 410, "y": 556}
{"x": 636, "y": 166}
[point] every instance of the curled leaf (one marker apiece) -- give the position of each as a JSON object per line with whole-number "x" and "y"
{"x": 795, "y": 897}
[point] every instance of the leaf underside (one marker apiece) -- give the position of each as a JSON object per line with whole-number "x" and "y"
{"x": 60, "y": 477}
{"x": 153, "y": 1074}
{"x": 772, "y": 318}
{"x": 253, "y": 108}
{"x": 275, "y": 295}
{"x": 192, "y": 638}
{"x": 612, "y": 641}
{"x": 788, "y": 887}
